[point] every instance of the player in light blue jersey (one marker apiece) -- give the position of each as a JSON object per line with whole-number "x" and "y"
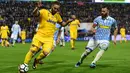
{"x": 101, "y": 29}
{"x": 57, "y": 34}
{"x": 15, "y": 31}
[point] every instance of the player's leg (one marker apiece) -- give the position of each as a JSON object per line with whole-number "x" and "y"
{"x": 14, "y": 39}
{"x": 3, "y": 42}
{"x": 6, "y": 42}
{"x": 23, "y": 41}
{"x": 89, "y": 48}
{"x": 121, "y": 39}
{"x": 103, "y": 45}
{"x": 71, "y": 39}
{"x": 62, "y": 41}
{"x": 47, "y": 47}
{"x": 74, "y": 38}
{"x": 125, "y": 38}
{"x": 34, "y": 48}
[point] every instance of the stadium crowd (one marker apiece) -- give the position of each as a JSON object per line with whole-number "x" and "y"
{"x": 86, "y": 12}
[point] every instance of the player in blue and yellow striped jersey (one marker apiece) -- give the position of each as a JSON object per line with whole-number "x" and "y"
{"x": 101, "y": 39}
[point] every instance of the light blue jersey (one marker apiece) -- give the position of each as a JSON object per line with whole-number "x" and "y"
{"x": 104, "y": 27}
{"x": 58, "y": 26}
{"x": 15, "y": 29}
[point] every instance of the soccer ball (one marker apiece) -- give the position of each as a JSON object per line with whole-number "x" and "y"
{"x": 23, "y": 68}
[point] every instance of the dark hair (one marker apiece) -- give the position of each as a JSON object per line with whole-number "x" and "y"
{"x": 105, "y": 7}
{"x": 56, "y": 2}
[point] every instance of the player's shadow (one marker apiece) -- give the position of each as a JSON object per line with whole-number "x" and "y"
{"x": 99, "y": 65}
{"x": 54, "y": 65}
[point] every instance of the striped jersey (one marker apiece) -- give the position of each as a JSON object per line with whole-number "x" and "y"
{"x": 104, "y": 27}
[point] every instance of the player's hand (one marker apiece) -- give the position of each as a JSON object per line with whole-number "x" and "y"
{"x": 69, "y": 20}
{"x": 58, "y": 40}
{"x": 39, "y": 4}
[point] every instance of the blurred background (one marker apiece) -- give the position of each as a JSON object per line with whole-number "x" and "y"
{"x": 85, "y": 10}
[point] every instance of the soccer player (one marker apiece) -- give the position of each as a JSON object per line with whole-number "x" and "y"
{"x": 45, "y": 33}
{"x": 62, "y": 40}
{"x": 101, "y": 27}
{"x": 123, "y": 35}
{"x": 73, "y": 30}
{"x": 23, "y": 36}
{"x": 16, "y": 30}
{"x": 4, "y": 35}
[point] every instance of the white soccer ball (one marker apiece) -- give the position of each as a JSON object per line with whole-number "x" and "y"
{"x": 23, "y": 68}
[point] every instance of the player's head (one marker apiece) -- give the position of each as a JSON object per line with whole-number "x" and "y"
{"x": 104, "y": 11}
{"x": 16, "y": 22}
{"x": 55, "y": 7}
{"x": 73, "y": 16}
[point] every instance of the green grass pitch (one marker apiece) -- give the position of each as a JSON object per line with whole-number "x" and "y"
{"x": 115, "y": 60}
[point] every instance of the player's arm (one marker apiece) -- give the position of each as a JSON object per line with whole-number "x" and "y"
{"x": 8, "y": 31}
{"x": 19, "y": 30}
{"x": 115, "y": 31}
{"x": 12, "y": 28}
{"x": 94, "y": 26}
{"x": 78, "y": 23}
{"x": 120, "y": 31}
{"x": 63, "y": 23}
{"x": 36, "y": 9}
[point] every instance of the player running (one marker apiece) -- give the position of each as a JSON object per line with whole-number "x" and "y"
{"x": 123, "y": 35}
{"x": 45, "y": 33}
{"x": 103, "y": 25}
{"x": 4, "y": 35}
{"x": 16, "y": 30}
{"x": 73, "y": 30}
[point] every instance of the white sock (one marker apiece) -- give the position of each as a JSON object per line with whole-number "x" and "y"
{"x": 98, "y": 56}
{"x": 13, "y": 42}
{"x": 61, "y": 42}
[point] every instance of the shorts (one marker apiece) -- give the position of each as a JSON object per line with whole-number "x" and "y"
{"x": 4, "y": 36}
{"x": 45, "y": 42}
{"x": 23, "y": 37}
{"x": 102, "y": 44}
{"x": 123, "y": 35}
{"x": 14, "y": 36}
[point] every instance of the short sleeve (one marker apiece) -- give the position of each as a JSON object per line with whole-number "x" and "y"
{"x": 95, "y": 22}
{"x": 58, "y": 17}
{"x": 43, "y": 13}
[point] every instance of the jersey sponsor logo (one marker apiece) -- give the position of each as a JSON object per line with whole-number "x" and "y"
{"x": 105, "y": 27}
{"x": 51, "y": 21}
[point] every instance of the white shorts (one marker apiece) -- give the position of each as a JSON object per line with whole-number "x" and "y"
{"x": 102, "y": 44}
{"x": 14, "y": 36}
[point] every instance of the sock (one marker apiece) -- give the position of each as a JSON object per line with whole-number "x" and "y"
{"x": 23, "y": 42}
{"x": 41, "y": 56}
{"x": 28, "y": 57}
{"x": 2, "y": 43}
{"x": 98, "y": 56}
{"x": 13, "y": 41}
{"x": 121, "y": 40}
{"x": 72, "y": 43}
{"x": 6, "y": 42}
{"x": 83, "y": 56}
{"x": 30, "y": 54}
{"x": 125, "y": 39}
{"x": 63, "y": 42}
